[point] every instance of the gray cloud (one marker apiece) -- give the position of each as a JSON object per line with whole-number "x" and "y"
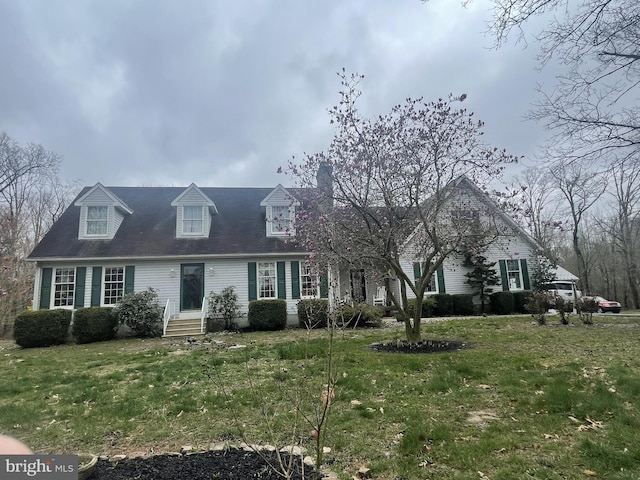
{"x": 222, "y": 93}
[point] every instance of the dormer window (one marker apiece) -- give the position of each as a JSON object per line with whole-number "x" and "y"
{"x": 193, "y": 213}
{"x": 281, "y": 220}
{"x": 97, "y": 220}
{"x": 280, "y": 212}
{"x": 101, "y": 213}
{"x": 192, "y": 220}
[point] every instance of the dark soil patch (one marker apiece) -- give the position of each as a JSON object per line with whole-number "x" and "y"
{"x": 231, "y": 464}
{"x": 426, "y": 346}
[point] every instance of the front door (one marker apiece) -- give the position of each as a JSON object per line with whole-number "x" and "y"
{"x": 192, "y": 286}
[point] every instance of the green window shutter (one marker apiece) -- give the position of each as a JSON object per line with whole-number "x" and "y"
{"x": 526, "y": 283}
{"x": 440, "y": 279}
{"x": 253, "y": 281}
{"x": 282, "y": 281}
{"x": 96, "y": 286}
{"x": 324, "y": 285}
{"x": 129, "y": 278}
{"x": 295, "y": 279}
{"x": 503, "y": 276}
{"x": 417, "y": 272}
{"x": 81, "y": 276}
{"x": 45, "y": 288}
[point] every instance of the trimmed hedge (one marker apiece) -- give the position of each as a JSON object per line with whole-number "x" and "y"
{"x": 427, "y": 306}
{"x": 462, "y": 304}
{"x": 362, "y": 315}
{"x": 42, "y": 328}
{"x": 267, "y": 315}
{"x": 94, "y": 324}
{"x": 443, "y": 305}
{"x": 312, "y": 313}
{"x": 520, "y": 299}
{"x": 502, "y": 303}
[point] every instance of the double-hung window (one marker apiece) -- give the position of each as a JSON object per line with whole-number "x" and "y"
{"x": 267, "y": 280}
{"x": 308, "y": 282}
{"x": 64, "y": 286}
{"x": 281, "y": 223}
{"x": 97, "y": 220}
{"x": 192, "y": 220}
{"x": 113, "y": 284}
{"x": 514, "y": 275}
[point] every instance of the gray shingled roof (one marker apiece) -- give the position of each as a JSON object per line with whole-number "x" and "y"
{"x": 238, "y": 228}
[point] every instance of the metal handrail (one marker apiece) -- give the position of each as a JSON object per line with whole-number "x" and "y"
{"x": 203, "y": 313}
{"x": 168, "y": 311}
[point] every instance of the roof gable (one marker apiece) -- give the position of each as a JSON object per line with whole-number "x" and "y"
{"x": 101, "y": 195}
{"x": 279, "y": 196}
{"x": 193, "y": 195}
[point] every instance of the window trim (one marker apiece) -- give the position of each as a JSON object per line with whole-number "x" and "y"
{"x": 105, "y": 220}
{"x": 271, "y": 223}
{"x": 103, "y": 288}
{"x": 272, "y": 267}
{"x": 54, "y": 283}
{"x": 184, "y": 219}
{"x": 509, "y": 271}
{"x": 306, "y": 272}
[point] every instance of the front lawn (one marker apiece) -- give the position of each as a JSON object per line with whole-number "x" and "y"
{"x": 551, "y": 402}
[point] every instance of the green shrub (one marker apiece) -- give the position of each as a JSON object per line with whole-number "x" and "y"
{"x": 361, "y": 315}
{"x": 502, "y": 303}
{"x": 267, "y": 315}
{"x": 443, "y": 305}
{"x": 94, "y": 324}
{"x": 428, "y": 303}
{"x": 224, "y": 306}
{"x": 141, "y": 312}
{"x": 520, "y": 299}
{"x": 42, "y": 328}
{"x": 462, "y": 304}
{"x": 312, "y": 313}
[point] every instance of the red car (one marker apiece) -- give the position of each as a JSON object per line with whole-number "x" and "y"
{"x": 605, "y": 305}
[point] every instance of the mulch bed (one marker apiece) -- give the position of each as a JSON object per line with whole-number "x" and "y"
{"x": 231, "y": 464}
{"x": 425, "y": 346}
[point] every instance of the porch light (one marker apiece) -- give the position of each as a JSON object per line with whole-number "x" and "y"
{"x": 173, "y": 272}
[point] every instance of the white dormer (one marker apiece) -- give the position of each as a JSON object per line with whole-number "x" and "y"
{"x": 101, "y": 213}
{"x": 193, "y": 215}
{"x": 280, "y": 212}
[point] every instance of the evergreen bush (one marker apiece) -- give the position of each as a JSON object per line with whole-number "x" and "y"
{"x": 520, "y": 299}
{"x": 361, "y": 315}
{"x": 428, "y": 303}
{"x": 42, "y": 328}
{"x": 443, "y": 305}
{"x": 502, "y": 303}
{"x": 462, "y": 304}
{"x": 313, "y": 312}
{"x": 141, "y": 312}
{"x": 267, "y": 315}
{"x": 94, "y": 324}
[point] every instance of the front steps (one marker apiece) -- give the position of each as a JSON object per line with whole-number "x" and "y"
{"x": 184, "y": 325}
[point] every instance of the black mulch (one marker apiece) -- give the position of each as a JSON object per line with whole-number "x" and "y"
{"x": 231, "y": 464}
{"x": 425, "y": 346}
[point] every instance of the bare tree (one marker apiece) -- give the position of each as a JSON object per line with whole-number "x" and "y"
{"x": 623, "y": 225}
{"x": 540, "y": 204}
{"x": 593, "y": 108}
{"x": 581, "y": 188}
{"x": 392, "y": 186}
{"x": 31, "y": 199}
{"x": 18, "y": 161}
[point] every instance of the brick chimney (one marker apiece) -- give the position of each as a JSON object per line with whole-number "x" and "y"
{"x": 324, "y": 182}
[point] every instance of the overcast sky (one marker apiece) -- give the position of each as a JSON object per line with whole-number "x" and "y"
{"x": 222, "y": 93}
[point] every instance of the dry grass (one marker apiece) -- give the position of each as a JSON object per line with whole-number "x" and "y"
{"x": 550, "y": 402}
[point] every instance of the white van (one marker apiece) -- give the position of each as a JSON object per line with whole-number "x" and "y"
{"x": 565, "y": 289}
